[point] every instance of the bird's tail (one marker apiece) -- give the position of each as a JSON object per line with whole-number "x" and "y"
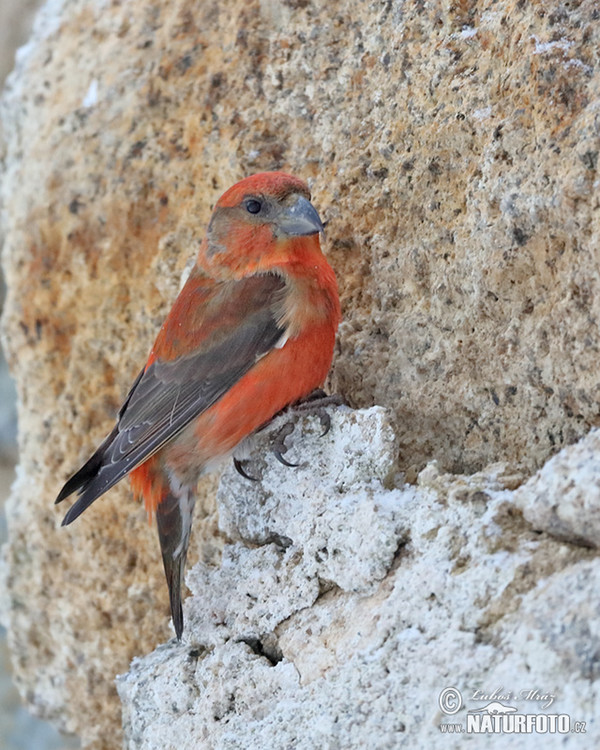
{"x": 174, "y": 521}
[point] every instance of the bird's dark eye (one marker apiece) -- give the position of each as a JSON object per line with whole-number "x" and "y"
{"x": 253, "y": 206}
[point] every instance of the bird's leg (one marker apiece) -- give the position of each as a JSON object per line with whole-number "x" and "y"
{"x": 314, "y": 404}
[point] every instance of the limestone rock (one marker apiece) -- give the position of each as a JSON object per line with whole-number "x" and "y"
{"x": 563, "y": 498}
{"x": 453, "y": 150}
{"x": 349, "y": 637}
{"x": 15, "y": 25}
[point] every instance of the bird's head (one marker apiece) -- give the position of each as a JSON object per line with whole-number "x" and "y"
{"x": 261, "y": 222}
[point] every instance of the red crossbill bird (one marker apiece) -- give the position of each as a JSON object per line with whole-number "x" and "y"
{"x": 251, "y": 332}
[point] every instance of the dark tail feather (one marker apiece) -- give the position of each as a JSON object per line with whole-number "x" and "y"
{"x": 174, "y": 521}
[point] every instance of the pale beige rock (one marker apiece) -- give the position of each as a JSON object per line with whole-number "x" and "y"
{"x": 452, "y": 148}
{"x": 15, "y": 25}
{"x": 351, "y": 639}
{"x": 563, "y": 497}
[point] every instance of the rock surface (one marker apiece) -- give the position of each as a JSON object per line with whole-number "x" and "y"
{"x": 346, "y": 629}
{"x": 564, "y": 496}
{"x": 453, "y": 149}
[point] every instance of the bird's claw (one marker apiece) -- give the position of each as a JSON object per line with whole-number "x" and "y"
{"x": 278, "y": 446}
{"x": 316, "y": 403}
{"x": 239, "y": 467}
{"x": 283, "y": 461}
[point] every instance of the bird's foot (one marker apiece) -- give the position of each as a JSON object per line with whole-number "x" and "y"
{"x": 315, "y": 404}
{"x": 278, "y": 446}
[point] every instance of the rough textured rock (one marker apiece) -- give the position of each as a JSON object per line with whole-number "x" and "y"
{"x": 452, "y": 148}
{"x": 564, "y": 496}
{"x": 16, "y": 17}
{"x": 345, "y": 630}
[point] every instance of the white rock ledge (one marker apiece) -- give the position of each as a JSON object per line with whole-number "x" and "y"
{"x": 344, "y": 606}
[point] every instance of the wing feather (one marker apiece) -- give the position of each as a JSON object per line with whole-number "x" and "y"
{"x": 230, "y": 327}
